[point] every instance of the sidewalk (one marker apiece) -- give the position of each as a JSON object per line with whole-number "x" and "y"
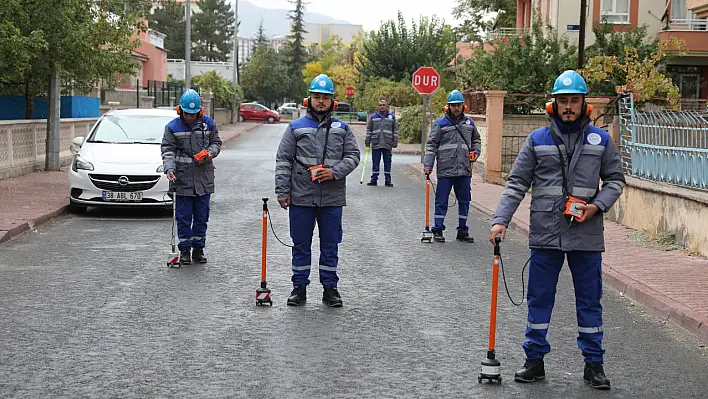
{"x": 35, "y": 198}
{"x": 672, "y": 284}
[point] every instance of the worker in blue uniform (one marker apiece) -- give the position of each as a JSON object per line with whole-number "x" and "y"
{"x": 564, "y": 163}
{"x": 455, "y": 144}
{"x": 189, "y": 145}
{"x": 315, "y": 155}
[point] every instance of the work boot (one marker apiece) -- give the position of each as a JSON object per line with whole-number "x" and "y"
{"x": 372, "y": 183}
{"x": 198, "y": 255}
{"x": 185, "y": 256}
{"x": 389, "y": 184}
{"x": 464, "y": 236}
{"x": 298, "y": 296}
{"x": 595, "y": 376}
{"x": 438, "y": 236}
{"x": 533, "y": 370}
{"x": 331, "y": 297}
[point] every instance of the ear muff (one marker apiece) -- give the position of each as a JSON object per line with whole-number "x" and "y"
{"x": 306, "y": 102}
{"x": 552, "y": 108}
{"x": 199, "y": 115}
{"x": 447, "y": 108}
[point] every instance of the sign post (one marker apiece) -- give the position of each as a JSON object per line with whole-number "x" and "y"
{"x": 426, "y": 80}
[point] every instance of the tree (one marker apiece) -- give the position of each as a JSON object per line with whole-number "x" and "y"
{"x": 296, "y": 50}
{"x": 16, "y": 47}
{"x": 213, "y": 30}
{"x": 611, "y": 43}
{"x": 224, "y": 90}
{"x": 395, "y": 51}
{"x": 634, "y": 74}
{"x": 528, "y": 64}
{"x": 473, "y": 13}
{"x": 87, "y": 41}
{"x": 169, "y": 19}
{"x": 260, "y": 39}
{"x": 264, "y": 75}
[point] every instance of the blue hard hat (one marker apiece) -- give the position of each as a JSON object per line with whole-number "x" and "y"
{"x": 190, "y": 102}
{"x": 455, "y": 97}
{"x": 322, "y": 84}
{"x": 570, "y": 82}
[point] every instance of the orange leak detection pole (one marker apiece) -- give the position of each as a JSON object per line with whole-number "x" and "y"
{"x": 263, "y": 293}
{"x": 427, "y": 234}
{"x": 491, "y": 366}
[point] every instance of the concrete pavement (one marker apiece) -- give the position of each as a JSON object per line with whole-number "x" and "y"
{"x": 36, "y": 198}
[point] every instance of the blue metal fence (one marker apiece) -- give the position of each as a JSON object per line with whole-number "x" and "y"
{"x": 664, "y": 146}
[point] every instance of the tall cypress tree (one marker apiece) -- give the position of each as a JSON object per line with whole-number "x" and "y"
{"x": 213, "y": 30}
{"x": 169, "y": 19}
{"x": 297, "y": 54}
{"x": 260, "y": 39}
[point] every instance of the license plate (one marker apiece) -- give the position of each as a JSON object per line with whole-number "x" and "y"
{"x": 122, "y": 197}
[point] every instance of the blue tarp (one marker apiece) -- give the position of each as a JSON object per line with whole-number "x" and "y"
{"x": 13, "y": 107}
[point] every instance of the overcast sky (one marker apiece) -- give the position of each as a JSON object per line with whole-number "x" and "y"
{"x": 370, "y": 13}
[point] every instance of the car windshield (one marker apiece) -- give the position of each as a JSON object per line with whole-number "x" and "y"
{"x": 126, "y": 129}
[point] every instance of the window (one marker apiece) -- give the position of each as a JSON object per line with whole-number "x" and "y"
{"x": 615, "y": 11}
{"x": 131, "y": 129}
{"x": 258, "y": 108}
{"x": 248, "y": 107}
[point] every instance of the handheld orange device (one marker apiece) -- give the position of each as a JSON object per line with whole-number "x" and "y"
{"x": 473, "y": 156}
{"x": 201, "y": 155}
{"x": 314, "y": 170}
{"x": 571, "y": 207}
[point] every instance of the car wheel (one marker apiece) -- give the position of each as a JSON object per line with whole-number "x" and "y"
{"x": 271, "y": 119}
{"x": 241, "y": 118}
{"x": 76, "y": 208}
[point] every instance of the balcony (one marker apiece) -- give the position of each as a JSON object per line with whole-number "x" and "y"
{"x": 502, "y": 33}
{"x": 694, "y": 33}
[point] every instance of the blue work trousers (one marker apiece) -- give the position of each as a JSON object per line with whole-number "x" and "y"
{"x": 376, "y": 162}
{"x": 192, "y": 216}
{"x": 461, "y": 185}
{"x": 586, "y": 268}
{"x": 302, "y": 226}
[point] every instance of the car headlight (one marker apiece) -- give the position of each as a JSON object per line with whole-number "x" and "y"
{"x": 160, "y": 169}
{"x": 80, "y": 163}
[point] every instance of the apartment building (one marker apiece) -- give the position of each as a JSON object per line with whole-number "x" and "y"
{"x": 321, "y": 33}
{"x": 685, "y": 19}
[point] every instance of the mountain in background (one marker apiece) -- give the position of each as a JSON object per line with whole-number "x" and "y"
{"x": 274, "y": 21}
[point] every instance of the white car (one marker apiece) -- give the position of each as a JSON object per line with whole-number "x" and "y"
{"x": 119, "y": 163}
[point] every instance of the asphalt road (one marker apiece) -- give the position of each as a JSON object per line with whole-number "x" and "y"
{"x": 90, "y": 310}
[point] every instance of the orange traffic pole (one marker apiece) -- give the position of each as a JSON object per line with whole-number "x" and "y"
{"x": 265, "y": 244}
{"x": 491, "y": 366}
{"x": 427, "y": 203}
{"x": 263, "y": 293}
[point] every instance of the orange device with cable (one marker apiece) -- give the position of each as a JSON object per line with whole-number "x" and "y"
{"x": 314, "y": 170}
{"x": 201, "y": 155}
{"x": 571, "y": 208}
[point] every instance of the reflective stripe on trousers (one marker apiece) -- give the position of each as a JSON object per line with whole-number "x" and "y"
{"x": 442, "y": 194}
{"x": 302, "y": 226}
{"x": 376, "y": 163}
{"x": 586, "y": 269}
{"x": 192, "y": 214}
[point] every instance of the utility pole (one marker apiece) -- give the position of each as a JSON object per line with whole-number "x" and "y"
{"x": 581, "y": 36}
{"x": 187, "y": 46}
{"x": 235, "y": 57}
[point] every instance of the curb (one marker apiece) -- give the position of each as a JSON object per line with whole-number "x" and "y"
{"x": 658, "y": 303}
{"x": 47, "y": 217}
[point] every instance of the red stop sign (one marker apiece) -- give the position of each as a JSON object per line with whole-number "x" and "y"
{"x": 426, "y": 80}
{"x": 349, "y": 91}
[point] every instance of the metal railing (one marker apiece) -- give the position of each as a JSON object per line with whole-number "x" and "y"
{"x": 505, "y": 32}
{"x": 664, "y": 146}
{"x": 676, "y": 24}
